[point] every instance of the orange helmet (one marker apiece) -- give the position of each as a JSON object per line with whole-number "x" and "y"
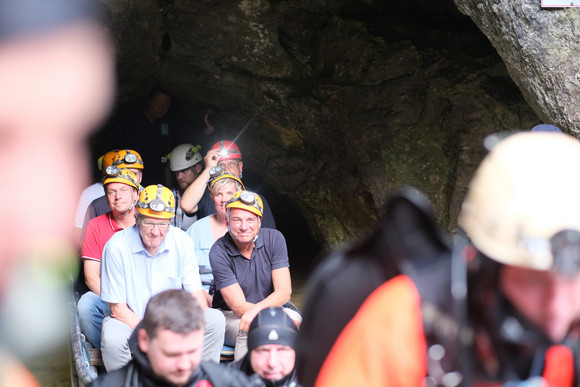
{"x": 228, "y": 150}
{"x": 248, "y": 201}
{"x": 156, "y": 201}
{"x": 125, "y": 176}
{"x": 107, "y": 160}
{"x": 128, "y": 158}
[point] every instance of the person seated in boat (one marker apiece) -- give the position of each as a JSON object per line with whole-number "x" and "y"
{"x": 250, "y": 268}
{"x": 185, "y": 161}
{"x": 167, "y": 349}
{"x": 271, "y": 353}
{"x": 124, "y": 159}
{"x": 122, "y": 192}
{"x": 206, "y": 231}
{"x": 142, "y": 261}
{"x": 227, "y": 155}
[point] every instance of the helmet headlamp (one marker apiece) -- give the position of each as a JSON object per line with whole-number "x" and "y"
{"x": 157, "y": 204}
{"x": 113, "y": 170}
{"x": 129, "y": 158}
{"x": 565, "y": 247}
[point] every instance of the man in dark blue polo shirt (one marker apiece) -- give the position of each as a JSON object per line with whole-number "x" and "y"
{"x": 251, "y": 269}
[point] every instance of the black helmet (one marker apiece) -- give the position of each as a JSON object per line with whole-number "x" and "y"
{"x": 272, "y": 326}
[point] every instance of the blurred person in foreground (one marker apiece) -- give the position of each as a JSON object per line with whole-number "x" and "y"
{"x": 57, "y": 77}
{"x": 402, "y": 308}
{"x": 167, "y": 347}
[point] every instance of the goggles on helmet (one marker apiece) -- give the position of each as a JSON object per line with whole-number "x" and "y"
{"x": 129, "y": 158}
{"x": 248, "y": 198}
{"x": 113, "y": 170}
{"x": 157, "y": 204}
{"x": 216, "y": 171}
{"x": 564, "y": 247}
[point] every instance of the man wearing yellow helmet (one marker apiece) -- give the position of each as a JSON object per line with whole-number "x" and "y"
{"x": 142, "y": 261}
{"x": 122, "y": 192}
{"x": 92, "y": 192}
{"x": 123, "y": 159}
{"x": 251, "y": 269}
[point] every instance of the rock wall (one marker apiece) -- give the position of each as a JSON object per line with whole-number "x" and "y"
{"x": 345, "y": 100}
{"x": 541, "y": 50}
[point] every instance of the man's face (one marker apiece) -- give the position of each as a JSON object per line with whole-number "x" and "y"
{"x": 159, "y": 105}
{"x": 221, "y": 195}
{"x": 235, "y": 167}
{"x": 173, "y": 357}
{"x": 549, "y": 300}
{"x": 152, "y": 231}
{"x": 244, "y": 225}
{"x": 138, "y": 173}
{"x": 185, "y": 177}
{"x": 120, "y": 197}
{"x": 272, "y": 361}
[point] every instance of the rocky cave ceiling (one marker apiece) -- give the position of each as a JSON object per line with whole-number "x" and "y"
{"x": 350, "y": 99}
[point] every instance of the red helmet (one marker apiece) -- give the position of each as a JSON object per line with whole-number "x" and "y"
{"x": 228, "y": 150}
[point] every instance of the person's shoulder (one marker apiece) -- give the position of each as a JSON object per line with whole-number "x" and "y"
{"x": 222, "y": 376}
{"x": 109, "y": 379}
{"x": 271, "y": 234}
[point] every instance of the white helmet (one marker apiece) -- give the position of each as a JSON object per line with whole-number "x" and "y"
{"x": 184, "y": 156}
{"x": 523, "y": 205}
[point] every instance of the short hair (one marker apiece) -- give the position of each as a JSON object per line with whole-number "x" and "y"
{"x": 174, "y": 309}
{"x": 220, "y": 183}
{"x": 155, "y": 91}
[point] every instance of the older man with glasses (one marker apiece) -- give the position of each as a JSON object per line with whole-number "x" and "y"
{"x": 142, "y": 261}
{"x": 196, "y": 198}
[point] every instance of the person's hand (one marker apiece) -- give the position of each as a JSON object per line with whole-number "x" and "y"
{"x": 248, "y": 317}
{"x": 208, "y": 298}
{"x": 211, "y": 158}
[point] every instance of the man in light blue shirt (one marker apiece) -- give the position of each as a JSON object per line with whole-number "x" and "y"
{"x": 142, "y": 261}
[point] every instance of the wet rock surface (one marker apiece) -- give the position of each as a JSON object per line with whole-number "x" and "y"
{"x": 346, "y": 100}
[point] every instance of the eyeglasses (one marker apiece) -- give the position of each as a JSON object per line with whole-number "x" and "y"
{"x": 151, "y": 225}
{"x": 229, "y": 165}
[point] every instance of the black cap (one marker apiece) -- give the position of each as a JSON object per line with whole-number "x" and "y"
{"x": 272, "y": 326}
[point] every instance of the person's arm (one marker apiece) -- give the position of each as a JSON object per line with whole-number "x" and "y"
{"x": 192, "y": 194}
{"x": 234, "y": 297}
{"x": 92, "y": 272}
{"x": 199, "y": 295}
{"x": 91, "y": 254}
{"x": 281, "y": 295}
{"x": 122, "y": 313}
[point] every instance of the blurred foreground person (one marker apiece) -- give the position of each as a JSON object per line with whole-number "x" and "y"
{"x": 271, "y": 354}
{"x": 56, "y": 72}
{"x": 403, "y": 309}
{"x": 168, "y": 347}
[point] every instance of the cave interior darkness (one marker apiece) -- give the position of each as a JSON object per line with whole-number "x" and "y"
{"x": 424, "y": 23}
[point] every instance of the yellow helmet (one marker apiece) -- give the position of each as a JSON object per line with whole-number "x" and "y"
{"x": 128, "y": 158}
{"x": 248, "y": 201}
{"x": 523, "y": 205}
{"x": 107, "y": 159}
{"x": 124, "y": 176}
{"x": 156, "y": 201}
{"x": 217, "y": 173}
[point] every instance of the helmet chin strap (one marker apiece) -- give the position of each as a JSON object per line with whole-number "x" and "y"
{"x": 129, "y": 210}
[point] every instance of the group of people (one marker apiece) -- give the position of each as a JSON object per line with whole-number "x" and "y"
{"x": 139, "y": 241}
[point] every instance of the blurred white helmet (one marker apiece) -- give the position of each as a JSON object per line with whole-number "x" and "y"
{"x": 523, "y": 204}
{"x": 184, "y": 156}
